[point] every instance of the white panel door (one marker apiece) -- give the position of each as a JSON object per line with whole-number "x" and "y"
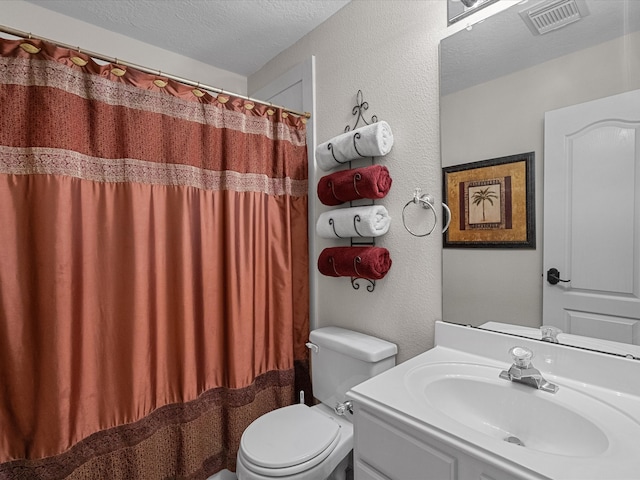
{"x": 592, "y": 218}
{"x": 296, "y": 90}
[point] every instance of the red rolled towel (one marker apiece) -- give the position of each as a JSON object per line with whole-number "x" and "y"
{"x": 346, "y": 185}
{"x": 372, "y": 263}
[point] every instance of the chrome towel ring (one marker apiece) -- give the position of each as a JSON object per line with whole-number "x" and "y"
{"x": 426, "y": 201}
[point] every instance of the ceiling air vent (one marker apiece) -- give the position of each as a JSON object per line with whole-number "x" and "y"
{"x": 551, "y": 15}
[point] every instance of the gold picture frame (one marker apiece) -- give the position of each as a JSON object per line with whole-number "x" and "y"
{"x": 492, "y": 203}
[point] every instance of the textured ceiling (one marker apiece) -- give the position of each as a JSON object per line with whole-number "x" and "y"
{"x": 235, "y": 35}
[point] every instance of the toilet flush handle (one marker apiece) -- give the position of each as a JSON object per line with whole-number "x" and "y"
{"x": 312, "y": 346}
{"x": 342, "y": 408}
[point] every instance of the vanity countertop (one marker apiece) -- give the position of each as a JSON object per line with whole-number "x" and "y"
{"x": 598, "y": 402}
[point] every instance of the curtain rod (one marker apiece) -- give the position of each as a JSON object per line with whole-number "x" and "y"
{"x": 185, "y": 81}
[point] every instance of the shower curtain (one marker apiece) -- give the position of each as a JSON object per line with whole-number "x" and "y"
{"x": 153, "y": 269}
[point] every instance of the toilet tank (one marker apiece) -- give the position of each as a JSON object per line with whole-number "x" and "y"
{"x": 343, "y": 359}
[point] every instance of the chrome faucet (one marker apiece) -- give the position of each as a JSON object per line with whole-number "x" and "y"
{"x": 522, "y": 371}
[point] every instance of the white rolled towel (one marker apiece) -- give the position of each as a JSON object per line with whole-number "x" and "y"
{"x": 369, "y": 141}
{"x": 365, "y": 221}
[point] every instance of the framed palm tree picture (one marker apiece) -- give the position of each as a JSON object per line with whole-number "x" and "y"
{"x": 492, "y": 203}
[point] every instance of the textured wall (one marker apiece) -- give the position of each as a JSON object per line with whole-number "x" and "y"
{"x": 42, "y": 22}
{"x": 389, "y": 50}
{"x": 216, "y": 32}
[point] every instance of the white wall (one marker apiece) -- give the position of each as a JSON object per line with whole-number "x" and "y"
{"x": 389, "y": 50}
{"x": 41, "y": 22}
{"x": 506, "y": 117}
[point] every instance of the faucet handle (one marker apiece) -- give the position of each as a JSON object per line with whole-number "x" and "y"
{"x": 549, "y": 333}
{"x": 521, "y": 356}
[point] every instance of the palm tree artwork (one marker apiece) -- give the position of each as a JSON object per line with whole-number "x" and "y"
{"x": 482, "y": 196}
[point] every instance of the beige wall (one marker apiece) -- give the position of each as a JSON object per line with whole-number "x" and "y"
{"x": 28, "y": 17}
{"x": 505, "y": 117}
{"x": 389, "y": 50}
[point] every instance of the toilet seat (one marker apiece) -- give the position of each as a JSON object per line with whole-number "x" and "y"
{"x": 288, "y": 440}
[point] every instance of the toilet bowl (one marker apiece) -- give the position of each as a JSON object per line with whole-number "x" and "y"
{"x": 296, "y": 443}
{"x": 314, "y": 443}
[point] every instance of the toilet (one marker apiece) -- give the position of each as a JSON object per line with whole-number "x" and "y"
{"x": 314, "y": 443}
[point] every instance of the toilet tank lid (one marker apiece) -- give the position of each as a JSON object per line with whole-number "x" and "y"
{"x": 358, "y": 345}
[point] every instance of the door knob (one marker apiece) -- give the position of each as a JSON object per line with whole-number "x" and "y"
{"x": 553, "y": 276}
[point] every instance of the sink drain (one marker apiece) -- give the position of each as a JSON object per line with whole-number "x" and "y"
{"x": 514, "y": 440}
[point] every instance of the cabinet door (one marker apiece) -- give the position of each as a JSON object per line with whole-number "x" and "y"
{"x": 388, "y": 449}
{"x": 365, "y": 472}
{"x": 386, "y": 452}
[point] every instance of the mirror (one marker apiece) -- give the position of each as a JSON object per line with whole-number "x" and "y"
{"x": 497, "y": 81}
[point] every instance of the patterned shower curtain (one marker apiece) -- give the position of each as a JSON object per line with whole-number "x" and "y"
{"x": 153, "y": 269}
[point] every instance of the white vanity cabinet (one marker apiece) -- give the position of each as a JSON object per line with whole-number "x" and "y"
{"x": 387, "y": 448}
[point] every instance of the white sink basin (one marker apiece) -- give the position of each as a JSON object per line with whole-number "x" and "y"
{"x": 565, "y": 423}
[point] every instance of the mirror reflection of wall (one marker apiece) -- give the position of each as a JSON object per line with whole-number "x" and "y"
{"x": 497, "y": 81}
